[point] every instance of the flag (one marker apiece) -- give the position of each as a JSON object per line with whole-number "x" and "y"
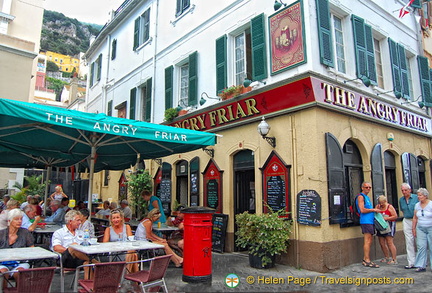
{"x": 404, "y": 10}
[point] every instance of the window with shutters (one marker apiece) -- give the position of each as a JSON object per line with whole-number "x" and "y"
{"x": 242, "y": 54}
{"x": 182, "y": 6}
{"x": 96, "y": 70}
{"x": 109, "y": 108}
{"x": 187, "y": 81}
{"x": 142, "y": 29}
{"x": 339, "y": 45}
{"x": 132, "y": 103}
{"x": 400, "y": 69}
{"x": 146, "y": 100}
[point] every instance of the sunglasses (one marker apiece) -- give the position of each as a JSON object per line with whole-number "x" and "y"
{"x": 422, "y": 213}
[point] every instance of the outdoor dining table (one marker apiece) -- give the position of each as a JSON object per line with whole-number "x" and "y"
{"x": 30, "y": 253}
{"x": 43, "y": 234}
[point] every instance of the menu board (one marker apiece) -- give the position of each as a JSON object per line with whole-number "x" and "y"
{"x": 212, "y": 194}
{"x": 165, "y": 194}
{"x": 276, "y": 193}
{"x": 309, "y": 208}
{"x": 220, "y": 222}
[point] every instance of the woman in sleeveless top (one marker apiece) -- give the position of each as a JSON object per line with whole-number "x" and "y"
{"x": 119, "y": 231}
{"x": 386, "y": 240}
{"x": 145, "y": 231}
{"x": 58, "y": 194}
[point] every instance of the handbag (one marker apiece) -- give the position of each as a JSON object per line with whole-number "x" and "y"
{"x": 381, "y": 225}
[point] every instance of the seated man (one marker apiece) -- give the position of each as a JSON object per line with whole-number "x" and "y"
{"x": 64, "y": 237}
{"x": 176, "y": 239}
{"x": 29, "y": 214}
{"x": 65, "y": 204}
{"x": 126, "y": 209}
{"x": 58, "y": 213}
{"x": 106, "y": 209}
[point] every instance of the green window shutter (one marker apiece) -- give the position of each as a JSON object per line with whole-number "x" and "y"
{"x": 371, "y": 72}
{"x": 394, "y": 60}
{"x": 259, "y": 56}
{"x": 148, "y": 100}
{"x": 416, "y": 4}
{"x": 425, "y": 80}
{"x": 324, "y": 33}
{"x": 113, "y": 49}
{"x": 91, "y": 74}
{"x": 146, "y": 19}
{"x": 403, "y": 71}
{"x": 359, "y": 45}
{"x": 169, "y": 87}
{"x": 221, "y": 63}
{"x": 109, "y": 110}
{"x": 193, "y": 79}
{"x": 99, "y": 65}
{"x": 136, "y": 33}
{"x": 132, "y": 103}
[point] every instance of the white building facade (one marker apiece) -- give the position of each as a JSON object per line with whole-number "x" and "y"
{"x": 330, "y": 76}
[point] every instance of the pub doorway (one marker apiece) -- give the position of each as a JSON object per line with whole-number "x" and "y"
{"x": 244, "y": 185}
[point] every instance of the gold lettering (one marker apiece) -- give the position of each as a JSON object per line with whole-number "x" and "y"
{"x": 339, "y": 96}
{"x": 380, "y": 110}
{"x": 193, "y": 123}
{"x": 230, "y": 113}
{"x": 201, "y": 121}
{"x": 239, "y": 112}
{"x": 328, "y": 92}
{"x": 221, "y": 114}
{"x": 395, "y": 113}
{"x": 351, "y": 101}
{"x": 250, "y": 105}
{"x": 363, "y": 106}
{"x": 185, "y": 124}
{"x": 212, "y": 117}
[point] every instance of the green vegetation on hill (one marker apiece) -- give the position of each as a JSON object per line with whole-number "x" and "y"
{"x": 65, "y": 35}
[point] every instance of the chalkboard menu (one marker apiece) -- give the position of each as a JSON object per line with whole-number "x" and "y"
{"x": 212, "y": 194}
{"x": 309, "y": 208}
{"x": 276, "y": 193}
{"x": 165, "y": 193}
{"x": 220, "y": 222}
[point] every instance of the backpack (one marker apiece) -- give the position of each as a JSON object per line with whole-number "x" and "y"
{"x": 355, "y": 214}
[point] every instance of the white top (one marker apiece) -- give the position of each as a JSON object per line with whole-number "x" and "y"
{"x": 127, "y": 212}
{"x": 65, "y": 238}
{"x": 424, "y": 216}
{"x": 89, "y": 226}
{"x": 25, "y": 222}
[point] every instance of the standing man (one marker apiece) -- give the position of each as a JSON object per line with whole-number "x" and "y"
{"x": 406, "y": 204}
{"x": 30, "y": 213}
{"x": 366, "y": 210}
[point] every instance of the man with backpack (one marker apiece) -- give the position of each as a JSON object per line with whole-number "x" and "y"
{"x": 366, "y": 210}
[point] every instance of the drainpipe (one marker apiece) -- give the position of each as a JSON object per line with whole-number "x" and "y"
{"x": 154, "y": 64}
{"x": 105, "y": 86}
{"x": 295, "y": 187}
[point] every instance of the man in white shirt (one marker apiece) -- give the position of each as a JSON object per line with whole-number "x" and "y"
{"x": 64, "y": 237}
{"x": 126, "y": 209}
{"x": 30, "y": 213}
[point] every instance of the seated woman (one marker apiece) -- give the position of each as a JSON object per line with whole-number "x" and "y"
{"x": 119, "y": 231}
{"x": 145, "y": 231}
{"x": 13, "y": 237}
{"x": 85, "y": 223}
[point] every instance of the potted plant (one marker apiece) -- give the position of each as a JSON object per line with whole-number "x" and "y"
{"x": 170, "y": 114}
{"x": 265, "y": 235}
{"x": 233, "y": 91}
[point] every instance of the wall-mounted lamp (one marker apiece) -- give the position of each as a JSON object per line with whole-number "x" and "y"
{"x": 366, "y": 81}
{"x": 278, "y": 4}
{"x": 209, "y": 152}
{"x": 202, "y": 100}
{"x": 181, "y": 105}
{"x": 397, "y": 94}
{"x": 263, "y": 130}
{"x": 421, "y": 104}
{"x": 247, "y": 82}
{"x": 390, "y": 136}
{"x": 158, "y": 161}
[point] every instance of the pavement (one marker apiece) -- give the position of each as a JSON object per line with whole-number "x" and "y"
{"x": 282, "y": 278}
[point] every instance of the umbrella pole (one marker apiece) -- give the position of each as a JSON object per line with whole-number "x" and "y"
{"x": 46, "y": 188}
{"x": 92, "y": 163}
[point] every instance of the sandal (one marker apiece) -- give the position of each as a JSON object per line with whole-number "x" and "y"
{"x": 392, "y": 262}
{"x": 370, "y": 264}
{"x": 385, "y": 259}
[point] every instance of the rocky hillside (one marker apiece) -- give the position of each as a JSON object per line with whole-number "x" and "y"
{"x": 65, "y": 35}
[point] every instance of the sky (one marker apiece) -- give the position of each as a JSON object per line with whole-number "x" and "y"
{"x": 91, "y": 11}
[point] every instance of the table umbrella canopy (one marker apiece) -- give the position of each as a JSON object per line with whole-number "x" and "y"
{"x": 109, "y": 142}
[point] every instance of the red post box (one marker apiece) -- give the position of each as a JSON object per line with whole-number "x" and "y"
{"x": 197, "y": 252}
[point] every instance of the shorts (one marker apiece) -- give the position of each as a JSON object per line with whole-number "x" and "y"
{"x": 13, "y": 266}
{"x": 69, "y": 261}
{"x": 368, "y": 228}
{"x": 392, "y": 230}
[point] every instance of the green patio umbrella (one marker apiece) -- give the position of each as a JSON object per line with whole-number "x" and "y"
{"x": 107, "y": 142}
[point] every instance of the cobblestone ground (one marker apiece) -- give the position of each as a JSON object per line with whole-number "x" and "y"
{"x": 353, "y": 278}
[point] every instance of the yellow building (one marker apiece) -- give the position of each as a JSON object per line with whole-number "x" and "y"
{"x": 64, "y": 62}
